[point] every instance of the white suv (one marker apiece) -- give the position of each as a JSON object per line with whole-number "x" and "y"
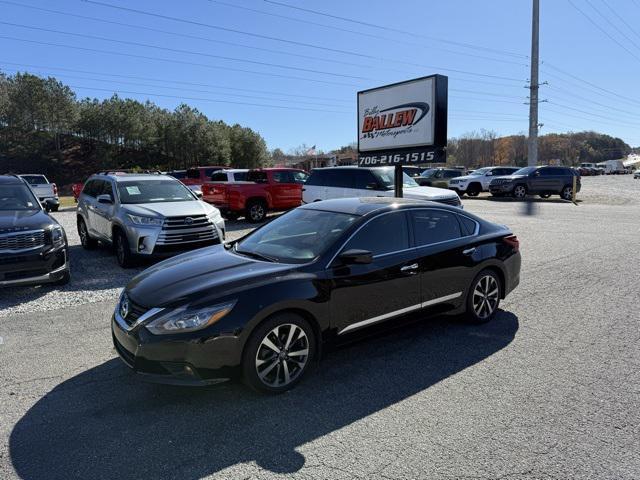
{"x": 346, "y": 182}
{"x": 478, "y": 180}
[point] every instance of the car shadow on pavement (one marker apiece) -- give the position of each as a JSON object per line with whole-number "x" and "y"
{"x": 491, "y": 198}
{"x": 105, "y": 423}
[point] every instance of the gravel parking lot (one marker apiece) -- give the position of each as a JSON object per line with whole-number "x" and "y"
{"x": 549, "y": 389}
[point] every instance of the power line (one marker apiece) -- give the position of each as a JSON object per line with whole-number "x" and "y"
{"x": 364, "y": 34}
{"x": 621, "y": 18}
{"x": 613, "y": 39}
{"x": 182, "y": 62}
{"x": 591, "y": 101}
{"x": 395, "y": 30}
{"x": 586, "y": 112}
{"x": 345, "y": 52}
{"x": 615, "y": 27}
{"x": 179, "y": 82}
{"x": 209, "y": 100}
{"x": 178, "y": 50}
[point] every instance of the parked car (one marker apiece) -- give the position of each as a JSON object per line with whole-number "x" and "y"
{"x": 33, "y": 245}
{"x": 264, "y": 305}
{"x": 344, "y": 182}
{"x": 265, "y": 190}
{"x": 437, "y": 177}
{"x": 230, "y": 175}
{"x": 636, "y": 174}
{"x": 479, "y": 180}
{"x": 412, "y": 171}
{"x": 542, "y": 180}
{"x": 612, "y": 167}
{"x": 46, "y": 191}
{"x": 196, "y": 176}
{"x": 145, "y": 215}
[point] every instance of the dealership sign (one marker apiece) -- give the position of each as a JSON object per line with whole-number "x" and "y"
{"x": 403, "y": 123}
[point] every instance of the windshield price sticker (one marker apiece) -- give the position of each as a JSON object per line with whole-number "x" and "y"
{"x": 133, "y": 190}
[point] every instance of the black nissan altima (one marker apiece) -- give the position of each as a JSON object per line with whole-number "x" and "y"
{"x": 265, "y": 305}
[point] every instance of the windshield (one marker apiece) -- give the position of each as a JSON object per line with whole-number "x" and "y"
{"x": 152, "y": 191}
{"x": 385, "y": 178}
{"x": 17, "y": 197}
{"x": 524, "y": 171}
{"x": 429, "y": 172}
{"x": 299, "y": 236}
{"x": 480, "y": 171}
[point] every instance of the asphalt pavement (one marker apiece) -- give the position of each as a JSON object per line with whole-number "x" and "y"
{"x": 549, "y": 389}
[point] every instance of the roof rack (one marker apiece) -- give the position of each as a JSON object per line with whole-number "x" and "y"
{"x": 129, "y": 172}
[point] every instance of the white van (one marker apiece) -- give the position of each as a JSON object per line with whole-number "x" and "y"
{"x": 612, "y": 167}
{"x": 347, "y": 182}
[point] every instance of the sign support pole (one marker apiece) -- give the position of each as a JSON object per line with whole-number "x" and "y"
{"x": 397, "y": 180}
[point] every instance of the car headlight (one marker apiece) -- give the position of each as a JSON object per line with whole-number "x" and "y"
{"x": 57, "y": 236}
{"x": 186, "y": 319}
{"x": 214, "y": 216}
{"x": 151, "y": 221}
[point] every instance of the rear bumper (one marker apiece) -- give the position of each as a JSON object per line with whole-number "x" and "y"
{"x": 512, "y": 277}
{"x": 34, "y": 269}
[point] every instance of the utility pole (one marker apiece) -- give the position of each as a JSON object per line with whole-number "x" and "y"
{"x": 534, "y": 85}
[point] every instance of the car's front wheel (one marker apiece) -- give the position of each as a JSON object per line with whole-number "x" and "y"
{"x": 474, "y": 190}
{"x": 567, "y": 193}
{"x": 484, "y": 297}
{"x": 520, "y": 192}
{"x": 279, "y": 353}
{"x": 123, "y": 252}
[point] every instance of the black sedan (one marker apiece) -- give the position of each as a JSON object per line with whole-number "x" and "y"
{"x": 265, "y": 305}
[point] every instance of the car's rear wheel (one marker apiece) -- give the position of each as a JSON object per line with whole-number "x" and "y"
{"x": 520, "y": 192}
{"x": 279, "y": 353}
{"x": 484, "y": 297}
{"x": 123, "y": 252}
{"x": 86, "y": 241}
{"x": 256, "y": 211}
{"x": 567, "y": 193}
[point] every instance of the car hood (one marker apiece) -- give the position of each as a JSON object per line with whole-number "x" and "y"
{"x": 169, "y": 209}
{"x": 467, "y": 177}
{"x": 428, "y": 193}
{"x": 200, "y": 275}
{"x": 14, "y": 221}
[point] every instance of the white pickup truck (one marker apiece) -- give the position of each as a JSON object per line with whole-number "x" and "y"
{"x": 46, "y": 191}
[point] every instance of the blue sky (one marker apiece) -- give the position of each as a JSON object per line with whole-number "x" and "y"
{"x": 295, "y": 79}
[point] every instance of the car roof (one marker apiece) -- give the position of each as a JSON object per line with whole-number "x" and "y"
{"x": 127, "y": 177}
{"x": 10, "y": 180}
{"x": 366, "y": 205}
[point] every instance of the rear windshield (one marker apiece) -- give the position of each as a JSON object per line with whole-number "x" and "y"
{"x": 17, "y": 197}
{"x": 35, "y": 179}
{"x": 153, "y": 191}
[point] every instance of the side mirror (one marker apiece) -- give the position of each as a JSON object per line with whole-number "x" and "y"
{"x": 355, "y": 256}
{"x": 536, "y": 173}
{"x": 105, "y": 199}
{"x": 372, "y": 186}
{"x": 198, "y": 193}
{"x": 489, "y": 173}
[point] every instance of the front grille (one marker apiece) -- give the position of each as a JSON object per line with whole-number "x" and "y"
{"x": 187, "y": 229}
{"x": 499, "y": 181}
{"x": 22, "y": 240}
{"x": 135, "y": 312}
{"x": 454, "y": 201}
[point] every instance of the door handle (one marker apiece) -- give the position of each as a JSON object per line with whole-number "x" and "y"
{"x": 409, "y": 268}
{"x": 469, "y": 251}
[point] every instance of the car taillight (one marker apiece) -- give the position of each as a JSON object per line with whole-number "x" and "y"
{"x": 55, "y": 188}
{"x": 513, "y": 242}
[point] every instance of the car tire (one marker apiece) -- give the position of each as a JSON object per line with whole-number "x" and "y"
{"x": 124, "y": 256}
{"x": 66, "y": 278}
{"x": 256, "y": 211}
{"x": 267, "y": 363}
{"x": 54, "y": 208}
{"x": 86, "y": 241}
{"x": 474, "y": 190}
{"x": 567, "y": 192}
{"x": 484, "y": 296}
{"x": 520, "y": 192}
{"x": 545, "y": 195}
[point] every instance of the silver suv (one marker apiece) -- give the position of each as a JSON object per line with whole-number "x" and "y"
{"x": 144, "y": 215}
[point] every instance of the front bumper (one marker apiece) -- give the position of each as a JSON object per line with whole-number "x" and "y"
{"x": 33, "y": 269}
{"x": 189, "y": 359}
{"x": 503, "y": 188}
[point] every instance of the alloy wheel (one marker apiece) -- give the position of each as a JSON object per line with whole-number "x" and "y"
{"x": 282, "y": 355}
{"x": 256, "y": 212}
{"x": 486, "y": 296}
{"x": 83, "y": 234}
{"x": 520, "y": 191}
{"x": 567, "y": 193}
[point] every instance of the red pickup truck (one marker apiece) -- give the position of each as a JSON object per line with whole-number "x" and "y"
{"x": 266, "y": 189}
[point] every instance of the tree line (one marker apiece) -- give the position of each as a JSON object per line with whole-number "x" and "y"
{"x": 484, "y": 148}
{"x": 181, "y": 138}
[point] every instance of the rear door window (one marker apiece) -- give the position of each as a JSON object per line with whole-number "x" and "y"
{"x": 341, "y": 178}
{"x": 434, "y": 226}
{"x": 219, "y": 177}
{"x": 257, "y": 176}
{"x": 239, "y": 176}
{"x": 385, "y": 234}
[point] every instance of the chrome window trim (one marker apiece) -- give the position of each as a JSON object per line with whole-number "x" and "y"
{"x": 475, "y": 233}
{"x": 399, "y": 312}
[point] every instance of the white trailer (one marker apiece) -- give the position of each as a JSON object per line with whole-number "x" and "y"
{"x": 612, "y": 167}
